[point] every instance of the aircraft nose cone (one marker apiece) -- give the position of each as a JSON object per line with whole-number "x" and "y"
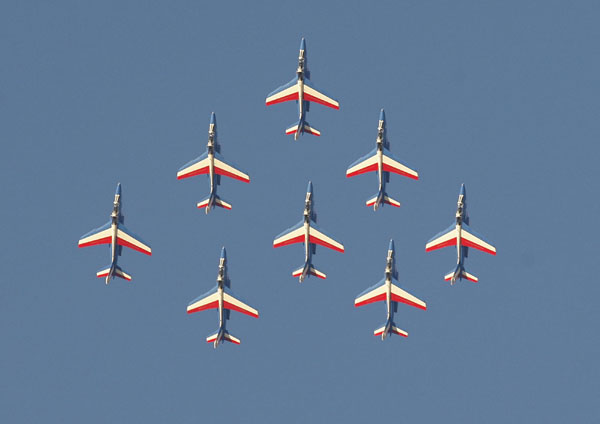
{"x": 223, "y": 253}
{"x": 309, "y": 188}
{"x": 118, "y": 189}
{"x": 382, "y": 115}
{"x": 213, "y": 118}
{"x": 302, "y": 44}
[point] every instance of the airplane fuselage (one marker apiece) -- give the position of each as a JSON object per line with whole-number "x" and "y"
{"x": 210, "y": 147}
{"x": 389, "y": 270}
{"x": 221, "y": 277}
{"x": 300, "y": 73}
{"x": 459, "y": 250}
{"x": 307, "y": 247}
{"x": 115, "y": 217}
{"x": 380, "y": 175}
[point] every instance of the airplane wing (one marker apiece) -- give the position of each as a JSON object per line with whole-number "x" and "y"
{"x": 399, "y": 295}
{"x": 373, "y": 294}
{"x": 292, "y": 235}
{"x": 391, "y": 164}
{"x": 195, "y": 167}
{"x": 128, "y": 239}
{"x": 222, "y": 168}
{"x": 209, "y": 300}
{"x": 471, "y": 239}
{"x": 443, "y": 239}
{"x": 367, "y": 163}
{"x": 317, "y": 236}
{"x": 230, "y": 302}
{"x": 100, "y": 235}
{"x": 378, "y": 293}
{"x": 311, "y": 94}
{"x": 284, "y": 93}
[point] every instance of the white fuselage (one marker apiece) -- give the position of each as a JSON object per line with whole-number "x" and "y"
{"x": 380, "y": 194}
{"x": 114, "y": 228}
{"x": 211, "y": 165}
{"x": 300, "y": 83}
{"x": 459, "y": 219}
{"x": 389, "y": 270}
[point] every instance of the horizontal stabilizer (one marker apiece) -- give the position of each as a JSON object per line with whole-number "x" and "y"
{"x": 226, "y": 336}
{"x": 217, "y": 202}
{"x": 305, "y": 128}
{"x": 312, "y": 271}
{"x": 118, "y": 272}
{"x": 386, "y": 199}
{"x": 392, "y": 329}
{"x": 461, "y": 274}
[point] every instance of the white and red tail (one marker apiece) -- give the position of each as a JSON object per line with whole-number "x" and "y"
{"x": 389, "y": 328}
{"x": 459, "y": 273}
{"x": 304, "y": 128}
{"x": 311, "y": 270}
{"x": 220, "y": 336}
{"x": 116, "y": 272}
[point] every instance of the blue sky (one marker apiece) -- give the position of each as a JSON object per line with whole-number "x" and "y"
{"x": 502, "y": 96}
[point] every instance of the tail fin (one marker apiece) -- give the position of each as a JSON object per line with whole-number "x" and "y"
{"x": 381, "y": 198}
{"x": 213, "y": 338}
{"x": 459, "y": 273}
{"x": 305, "y": 128}
{"x": 389, "y": 328}
{"x": 311, "y": 270}
{"x": 117, "y": 272}
{"x": 206, "y": 203}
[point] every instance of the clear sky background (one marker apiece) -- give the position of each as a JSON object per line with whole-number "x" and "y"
{"x": 502, "y": 96}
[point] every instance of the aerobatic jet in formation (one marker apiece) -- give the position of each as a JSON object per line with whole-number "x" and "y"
{"x": 301, "y": 89}
{"x": 212, "y": 163}
{"x": 381, "y": 161}
{"x": 459, "y": 234}
{"x": 115, "y": 234}
{"x": 308, "y": 233}
{"x": 221, "y": 297}
{"x": 388, "y": 290}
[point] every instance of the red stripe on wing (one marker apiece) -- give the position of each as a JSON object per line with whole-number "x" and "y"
{"x": 233, "y": 307}
{"x": 469, "y": 243}
{"x": 397, "y": 298}
{"x": 132, "y": 246}
{"x": 293, "y": 96}
{"x": 451, "y": 242}
{"x": 221, "y": 171}
{"x": 373, "y": 299}
{"x": 298, "y": 239}
{"x": 211, "y": 305}
{"x": 366, "y": 169}
{"x": 310, "y": 98}
{"x": 315, "y": 240}
{"x": 390, "y": 168}
{"x": 194, "y": 173}
{"x": 105, "y": 240}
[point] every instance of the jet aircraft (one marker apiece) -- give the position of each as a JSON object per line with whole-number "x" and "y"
{"x": 115, "y": 234}
{"x": 387, "y": 290}
{"x": 301, "y": 89}
{"x": 213, "y": 164}
{"x": 308, "y": 233}
{"x": 381, "y": 160}
{"x": 221, "y": 297}
{"x": 459, "y": 234}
